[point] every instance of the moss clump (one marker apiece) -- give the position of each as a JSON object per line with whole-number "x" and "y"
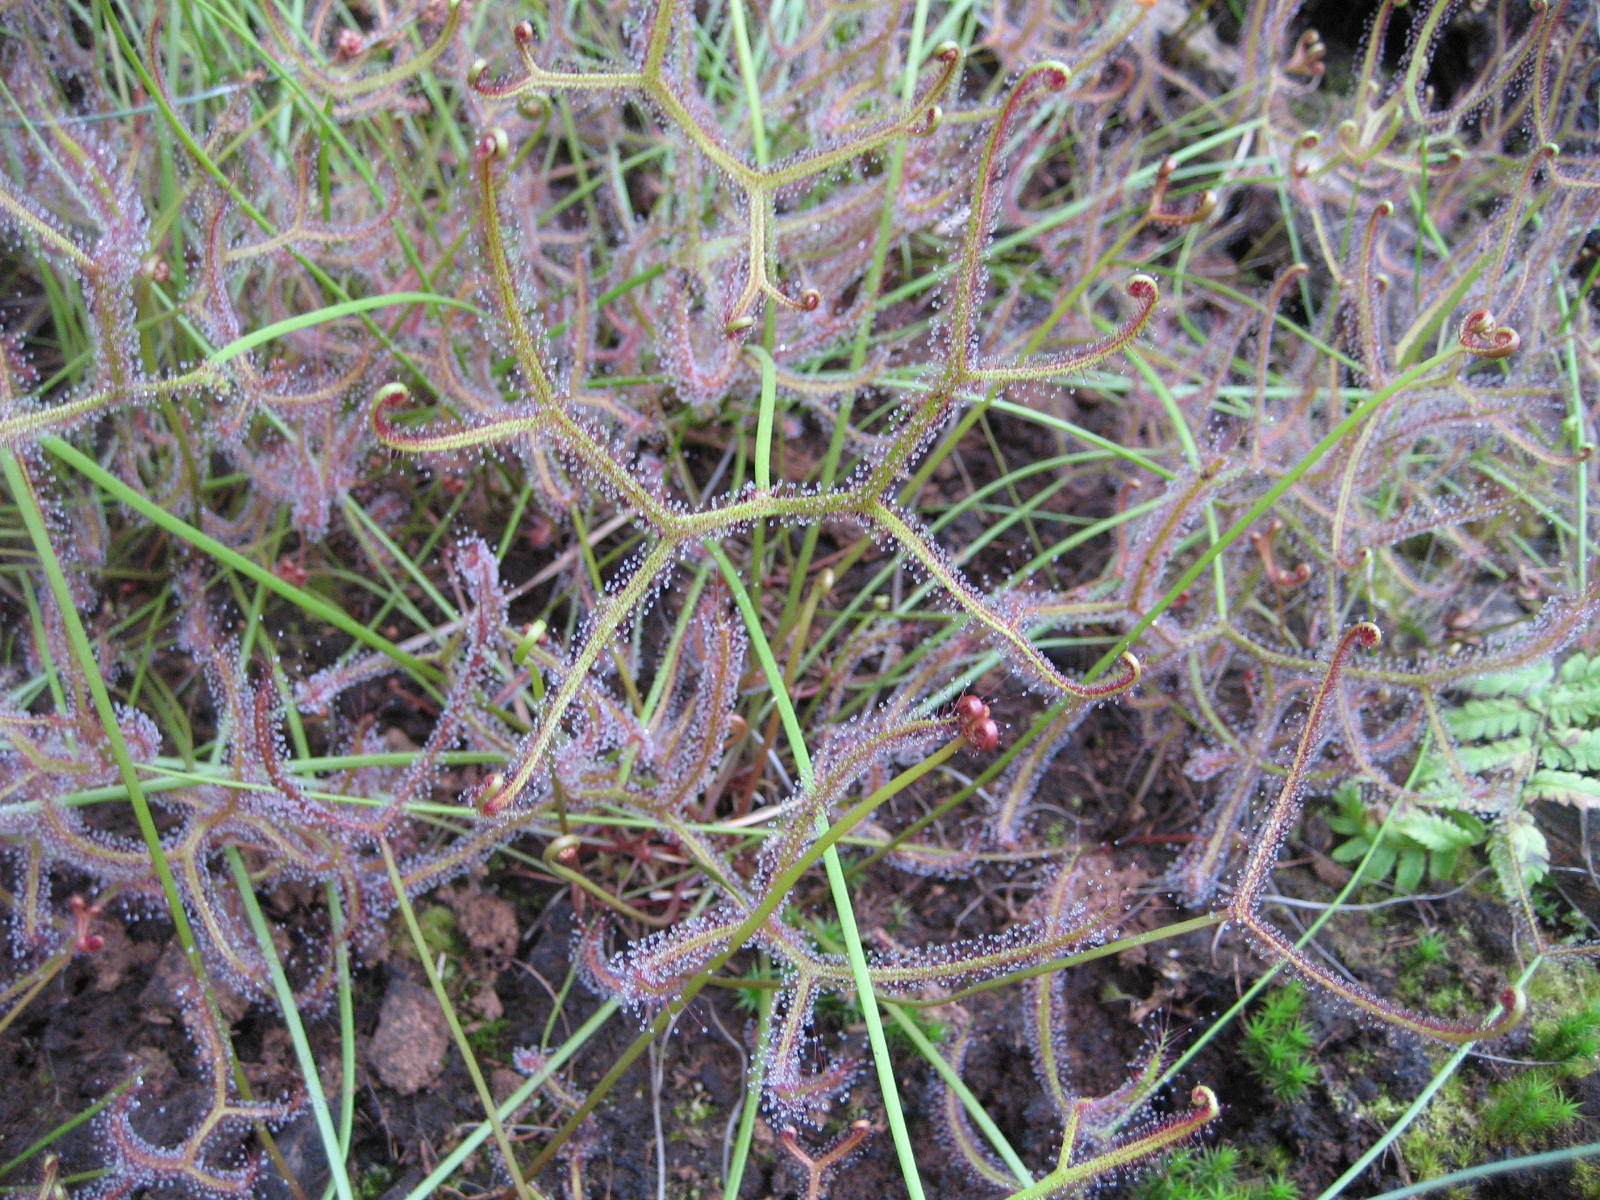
{"x": 1277, "y": 1044}
{"x": 1527, "y": 1108}
{"x": 1218, "y": 1173}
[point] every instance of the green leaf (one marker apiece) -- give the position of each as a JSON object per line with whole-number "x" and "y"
{"x": 1524, "y": 681}
{"x": 1573, "y": 749}
{"x": 1493, "y": 718}
{"x": 1352, "y": 851}
{"x": 1524, "y": 850}
{"x": 1564, "y": 787}
{"x": 1575, "y": 699}
{"x": 1349, "y": 826}
{"x": 1434, "y": 831}
{"x": 1381, "y": 863}
{"x": 1409, "y": 873}
{"x": 1490, "y": 758}
{"x": 1442, "y": 863}
{"x": 1583, "y": 670}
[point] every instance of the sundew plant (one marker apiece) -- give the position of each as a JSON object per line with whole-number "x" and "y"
{"x": 698, "y": 474}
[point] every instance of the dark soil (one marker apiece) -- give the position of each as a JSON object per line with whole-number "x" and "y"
{"x": 110, "y": 1015}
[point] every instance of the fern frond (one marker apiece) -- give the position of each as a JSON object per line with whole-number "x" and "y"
{"x": 1564, "y": 787}
{"x": 1499, "y": 717}
{"x": 1525, "y": 681}
{"x": 1488, "y": 759}
{"x": 1573, "y": 750}
{"x": 1521, "y": 853}
{"x": 1574, "y": 699}
{"x": 1434, "y": 831}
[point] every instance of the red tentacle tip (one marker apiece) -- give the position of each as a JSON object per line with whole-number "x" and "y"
{"x": 809, "y": 300}
{"x": 948, "y": 53}
{"x": 1483, "y": 336}
{"x": 1132, "y": 669}
{"x": 494, "y": 797}
{"x": 523, "y": 32}
{"x": 389, "y": 397}
{"x": 1515, "y": 1003}
{"x": 1054, "y": 76}
{"x": 492, "y": 144}
{"x": 1144, "y": 289}
{"x": 1366, "y": 635}
{"x": 1291, "y": 579}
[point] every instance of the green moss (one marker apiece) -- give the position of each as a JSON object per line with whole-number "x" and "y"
{"x": 1429, "y": 950}
{"x": 1469, "y": 1122}
{"x": 1217, "y": 1173}
{"x": 375, "y": 1179}
{"x": 693, "y": 1107}
{"x": 1585, "y": 1179}
{"x": 1564, "y": 1012}
{"x": 1277, "y": 1044}
{"x": 1528, "y": 1108}
{"x": 1444, "y": 1137}
{"x": 488, "y": 1039}
{"x": 439, "y": 932}
{"x": 1570, "y": 1041}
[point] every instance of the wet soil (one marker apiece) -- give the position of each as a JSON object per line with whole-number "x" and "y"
{"x": 113, "y": 1014}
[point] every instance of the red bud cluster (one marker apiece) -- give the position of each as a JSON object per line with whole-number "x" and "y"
{"x": 976, "y": 725}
